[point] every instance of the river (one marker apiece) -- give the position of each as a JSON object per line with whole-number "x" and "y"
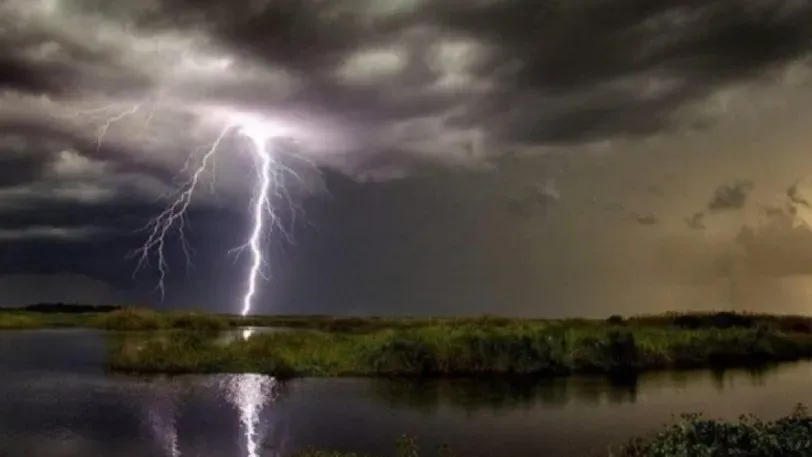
{"x": 57, "y": 401}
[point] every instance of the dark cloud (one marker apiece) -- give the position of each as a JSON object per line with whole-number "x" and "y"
{"x": 731, "y": 196}
{"x": 647, "y": 219}
{"x": 20, "y": 75}
{"x": 773, "y": 211}
{"x": 624, "y": 66}
{"x": 19, "y": 168}
{"x": 794, "y": 196}
{"x": 375, "y": 91}
{"x": 535, "y": 200}
{"x": 696, "y": 221}
{"x": 518, "y": 71}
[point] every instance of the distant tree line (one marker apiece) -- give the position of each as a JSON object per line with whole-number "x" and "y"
{"x": 69, "y": 308}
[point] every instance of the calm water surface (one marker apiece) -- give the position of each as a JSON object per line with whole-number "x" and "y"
{"x": 57, "y": 401}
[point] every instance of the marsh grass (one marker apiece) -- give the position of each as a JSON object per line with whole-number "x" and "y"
{"x": 22, "y": 320}
{"x": 692, "y": 436}
{"x": 142, "y": 319}
{"x": 448, "y": 350}
{"x": 695, "y": 436}
{"x": 123, "y": 319}
{"x": 17, "y": 322}
{"x": 139, "y": 318}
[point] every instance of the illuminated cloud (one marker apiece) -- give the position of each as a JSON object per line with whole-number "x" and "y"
{"x": 350, "y": 70}
{"x": 376, "y": 92}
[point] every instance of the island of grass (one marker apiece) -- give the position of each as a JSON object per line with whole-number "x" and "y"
{"x": 693, "y": 436}
{"x": 322, "y": 346}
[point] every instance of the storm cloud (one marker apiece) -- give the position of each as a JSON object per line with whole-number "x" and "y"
{"x": 468, "y": 122}
{"x": 449, "y": 81}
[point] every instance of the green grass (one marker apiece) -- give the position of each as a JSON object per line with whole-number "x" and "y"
{"x": 137, "y": 319}
{"x": 125, "y": 319}
{"x": 693, "y": 436}
{"x": 465, "y": 349}
{"x": 184, "y": 342}
{"x": 22, "y": 320}
{"x": 17, "y": 322}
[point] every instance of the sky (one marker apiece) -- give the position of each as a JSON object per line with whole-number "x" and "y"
{"x": 437, "y": 157}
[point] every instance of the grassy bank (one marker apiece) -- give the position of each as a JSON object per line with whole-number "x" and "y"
{"x": 140, "y": 319}
{"x": 464, "y": 349}
{"x": 125, "y": 319}
{"x": 183, "y": 342}
{"x": 693, "y": 436}
{"x": 22, "y": 320}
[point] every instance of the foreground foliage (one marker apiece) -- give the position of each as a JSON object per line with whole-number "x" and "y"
{"x": 462, "y": 349}
{"x": 697, "y": 437}
{"x": 693, "y": 436}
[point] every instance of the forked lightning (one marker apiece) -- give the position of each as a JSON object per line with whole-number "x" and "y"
{"x": 259, "y": 135}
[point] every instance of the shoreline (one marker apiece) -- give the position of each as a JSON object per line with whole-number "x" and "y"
{"x": 142, "y": 341}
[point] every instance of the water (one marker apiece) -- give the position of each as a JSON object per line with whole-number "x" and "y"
{"x": 57, "y": 401}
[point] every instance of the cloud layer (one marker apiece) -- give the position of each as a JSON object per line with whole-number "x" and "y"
{"x": 368, "y": 88}
{"x": 105, "y": 106}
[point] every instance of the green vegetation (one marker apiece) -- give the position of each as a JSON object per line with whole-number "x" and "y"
{"x": 17, "y": 322}
{"x": 123, "y": 319}
{"x": 693, "y": 436}
{"x": 135, "y": 318}
{"x": 22, "y": 320}
{"x": 139, "y": 319}
{"x": 749, "y": 436}
{"x": 466, "y": 348}
{"x": 184, "y": 342}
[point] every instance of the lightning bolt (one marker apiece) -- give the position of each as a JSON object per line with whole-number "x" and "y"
{"x": 161, "y": 418}
{"x": 259, "y": 139}
{"x": 173, "y": 219}
{"x": 174, "y": 216}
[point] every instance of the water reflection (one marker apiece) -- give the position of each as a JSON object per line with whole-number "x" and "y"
{"x": 161, "y": 415}
{"x": 496, "y": 394}
{"x": 247, "y": 394}
{"x": 250, "y": 393}
{"x": 513, "y": 394}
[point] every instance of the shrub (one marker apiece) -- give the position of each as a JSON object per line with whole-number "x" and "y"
{"x": 402, "y": 355}
{"x": 131, "y": 319}
{"x": 615, "y": 319}
{"x": 198, "y": 322}
{"x": 695, "y": 436}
